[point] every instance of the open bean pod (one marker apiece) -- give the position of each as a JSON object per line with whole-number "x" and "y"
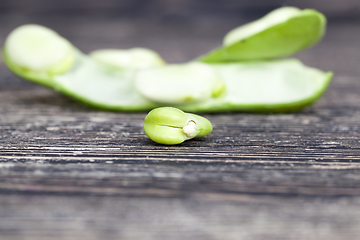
{"x": 223, "y": 80}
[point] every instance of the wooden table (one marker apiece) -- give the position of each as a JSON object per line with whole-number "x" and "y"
{"x": 70, "y": 172}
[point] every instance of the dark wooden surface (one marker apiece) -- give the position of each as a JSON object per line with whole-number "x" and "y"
{"x": 69, "y": 172}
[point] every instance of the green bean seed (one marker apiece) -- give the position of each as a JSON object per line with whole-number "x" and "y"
{"x": 168, "y": 125}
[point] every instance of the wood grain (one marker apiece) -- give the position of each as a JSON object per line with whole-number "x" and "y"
{"x": 70, "y": 172}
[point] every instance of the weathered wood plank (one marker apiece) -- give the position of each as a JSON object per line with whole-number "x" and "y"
{"x": 70, "y": 172}
{"x": 204, "y": 217}
{"x": 170, "y": 178}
